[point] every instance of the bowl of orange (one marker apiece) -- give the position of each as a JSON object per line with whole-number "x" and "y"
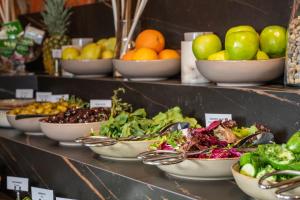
{"x": 149, "y": 60}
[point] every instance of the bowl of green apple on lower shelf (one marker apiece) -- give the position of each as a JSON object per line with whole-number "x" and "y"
{"x": 247, "y": 59}
{"x": 266, "y": 159}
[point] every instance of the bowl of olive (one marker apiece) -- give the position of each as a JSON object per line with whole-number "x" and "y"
{"x": 26, "y": 118}
{"x": 74, "y": 123}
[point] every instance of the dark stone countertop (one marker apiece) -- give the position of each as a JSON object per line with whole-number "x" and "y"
{"x": 87, "y": 177}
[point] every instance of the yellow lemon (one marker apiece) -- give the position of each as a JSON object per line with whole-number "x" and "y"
{"x": 101, "y": 43}
{"x": 110, "y": 44}
{"x": 260, "y": 55}
{"x": 221, "y": 55}
{"x": 70, "y": 53}
{"x": 91, "y": 51}
{"x": 107, "y": 54}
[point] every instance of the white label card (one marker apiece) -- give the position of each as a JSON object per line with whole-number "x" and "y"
{"x": 43, "y": 96}
{"x": 59, "y": 198}
{"x": 57, "y": 97}
{"x": 17, "y": 183}
{"x": 56, "y": 53}
{"x": 41, "y": 194}
{"x": 24, "y": 93}
{"x": 209, "y": 118}
{"x": 94, "y": 103}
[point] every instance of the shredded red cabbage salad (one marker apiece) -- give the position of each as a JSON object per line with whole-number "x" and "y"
{"x": 218, "y": 137}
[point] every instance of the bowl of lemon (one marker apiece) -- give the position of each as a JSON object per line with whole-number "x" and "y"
{"x": 149, "y": 60}
{"x": 248, "y": 58}
{"x": 93, "y": 59}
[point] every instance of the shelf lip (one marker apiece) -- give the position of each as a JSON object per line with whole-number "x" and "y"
{"x": 277, "y": 88}
{"x": 148, "y": 176}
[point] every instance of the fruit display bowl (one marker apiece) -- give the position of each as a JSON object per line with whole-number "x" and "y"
{"x": 123, "y": 150}
{"x": 201, "y": 169}
{"x": 30, "y": 126}
{"x": 65, "y": 134}
{"x": 241, "y": 72}
{"x": 249, "y": 185}
{"x": 7, "y": 104}
{"x": 150, "y": 70}
{"x": 100, "y": 67}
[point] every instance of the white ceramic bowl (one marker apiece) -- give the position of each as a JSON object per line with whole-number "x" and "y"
{"x": 149, "y": 70}
{"x": 99, "y": 67}
{"x": 249, "y": 185}
{"x": 3, "y": 119}
{"x": 241, "y": 72}
{"x": 65, "y": 134}
{"x": 201, "y": 169}
{"x": 29, "y": 126}
{"x": 125, "y": 150}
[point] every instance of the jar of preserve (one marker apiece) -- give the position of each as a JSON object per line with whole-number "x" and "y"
{"x": 292, "y": 64}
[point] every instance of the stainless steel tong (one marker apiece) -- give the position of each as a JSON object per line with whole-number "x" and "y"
{"x": 169, "y": 157}
{"x": 100, "y": 141}
{"x": 283, "y": 186}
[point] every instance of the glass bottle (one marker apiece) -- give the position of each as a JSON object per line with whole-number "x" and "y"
{"x": 292, "y": 63}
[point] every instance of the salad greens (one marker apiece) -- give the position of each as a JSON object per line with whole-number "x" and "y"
{"x": 271, "y": 157}
{"x": 136, "y": 124}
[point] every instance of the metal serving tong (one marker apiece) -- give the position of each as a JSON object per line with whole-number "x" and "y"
{"x": 18, "y": 117}
{"x": 169, "y": 157}
{"x": 98, "y": 141}
{"x": 283, "y": 186}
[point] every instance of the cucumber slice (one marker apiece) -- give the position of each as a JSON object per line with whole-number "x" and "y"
{"x": 245, "y": 158}
{"x": 248, "y": 170}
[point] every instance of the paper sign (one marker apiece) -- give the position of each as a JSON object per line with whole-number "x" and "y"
{"x": 41, "y": 194}
{"x": 57, "y": 97}
{"x": 56, "y": 53}
{"x": 209, "y": 118}
{"x": 17, "y": 183}
{"x": 59, "y": 198}
{"x": 43, "y": 96}
{"x": 24, "y": 93}
{"x": 94, "y": 103}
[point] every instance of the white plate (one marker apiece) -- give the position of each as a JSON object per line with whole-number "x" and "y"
{"x": 150, "y": 70}
{"x": 125, "y": 150}
{"x": 88, "y": 67}
{"x": 241, "y": 72}
{"x": 201, "y": 169}
{"x": 65, "y": 134}
{"x": 29, "y": 126}
{"x": 249, "y": 185}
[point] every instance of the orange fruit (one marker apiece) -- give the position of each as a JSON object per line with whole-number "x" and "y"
{"x": 152, "y": 39}
{"x": 168, "y": 54}
{"x": 128, "y": 55}
{"x": 145, "y": 54}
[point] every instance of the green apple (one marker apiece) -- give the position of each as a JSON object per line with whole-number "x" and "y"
{"x": 241, "y": 28}
{"x": 273, "y": 41}
{"x": 261, "y": 55}
{"x": 221, "y": 55}
{"x": 205, "y": 45}
{"x": 242, "y": 45}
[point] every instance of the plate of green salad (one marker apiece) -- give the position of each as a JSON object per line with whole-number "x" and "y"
{"x": 214, "y": 163}
{"x": 136, "y": 123}
{"x": 266, "y": 159}
{"x": 125, "y": 123}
